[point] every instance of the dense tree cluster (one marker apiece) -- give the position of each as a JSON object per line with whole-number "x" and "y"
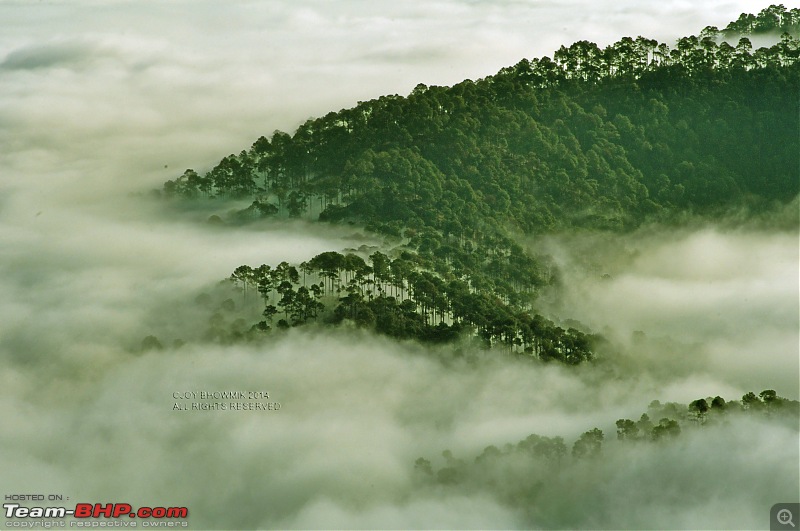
{"x": 401, "y": 298}
{"x": 774, "y": 19}
{"x": 593, "y": 138}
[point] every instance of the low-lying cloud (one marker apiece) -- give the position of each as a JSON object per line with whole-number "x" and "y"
{"x": 721, "y": 303}
{"x": 103, "y": 100}
{"x": 356, "y": 412}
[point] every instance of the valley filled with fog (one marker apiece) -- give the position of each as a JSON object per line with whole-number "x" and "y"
{"x": 92, "y": 416}
{"x": 103, "y": 102}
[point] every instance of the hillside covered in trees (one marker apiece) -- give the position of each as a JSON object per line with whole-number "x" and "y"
{"x": 506, "y": 472}
{"x": 591, "y": 139}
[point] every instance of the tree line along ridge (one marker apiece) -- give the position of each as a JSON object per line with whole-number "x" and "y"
{"x": 592, "y": 139}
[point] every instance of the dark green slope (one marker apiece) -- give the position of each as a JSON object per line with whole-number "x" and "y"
{"x": 595, "y": 138}
{"x": 602, "y": 139}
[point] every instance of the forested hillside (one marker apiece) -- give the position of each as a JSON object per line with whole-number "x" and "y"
{"x": 599, "y": 139}
{"x": 505, "y": 472}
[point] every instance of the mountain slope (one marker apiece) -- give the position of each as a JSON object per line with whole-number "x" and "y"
{"x": 601, "y": 139}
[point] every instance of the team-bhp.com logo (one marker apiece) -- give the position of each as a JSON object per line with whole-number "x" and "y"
{"x": 96, "y": 510}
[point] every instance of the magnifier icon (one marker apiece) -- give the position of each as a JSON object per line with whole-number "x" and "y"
{"x": 785, "y": 517}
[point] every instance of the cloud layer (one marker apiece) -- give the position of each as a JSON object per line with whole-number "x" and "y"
{"x": 101, "y": 99}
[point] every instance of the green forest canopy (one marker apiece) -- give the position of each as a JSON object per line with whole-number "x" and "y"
{"x": 601, "y": 139}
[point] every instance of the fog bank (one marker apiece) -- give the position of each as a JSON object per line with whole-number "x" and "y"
{"x": 715, "y": 303}
{"x": 104, "y": 100}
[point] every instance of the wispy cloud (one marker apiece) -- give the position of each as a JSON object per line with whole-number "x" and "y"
{"x": 102, "y": 98}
